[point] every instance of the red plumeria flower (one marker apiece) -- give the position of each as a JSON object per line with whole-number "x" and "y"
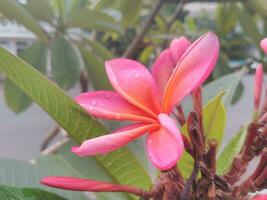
{"x": 149, "y": 98}
{"x": 258, "y": 86}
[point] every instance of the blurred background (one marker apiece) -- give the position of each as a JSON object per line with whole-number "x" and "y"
{"x": 69, "y": 40}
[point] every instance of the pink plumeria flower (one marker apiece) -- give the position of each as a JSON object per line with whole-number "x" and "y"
{"x": 149, "y": 98}
{"x": 264, "y": 45}
{"x": 258, "y": 86}
{"x": 260, "y": 197}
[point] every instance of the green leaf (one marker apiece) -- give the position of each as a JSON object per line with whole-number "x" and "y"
{"x": 100, "y": 50}
{"x": 14, "y": 193}
{"x": 259, "y": 6}
{"x": 226, "y": 17}
{"x": 41, "y": 10}
{"x": 93, "y": 20}
{"x": 17, "y": 173}
{"x": 65, "y": 63}
{"x": 15, "y": 98}
{"x": 70, "y": 116}
{"x": 238, "y": 93}
{"x": 95, "y": 69}
{"x": 214, "y": 119}
{"x": 231, "y": 149}
{"x": 14, "y": 11}
{"x": 145, "y": 54}
{"x": 227, "y": 83}
{"x": 249, "y": 25}
{"x": 130, "y": 12}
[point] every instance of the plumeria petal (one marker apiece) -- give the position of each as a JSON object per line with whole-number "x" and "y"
{"x": 110, "y": 105}
{"x": 162, "y": 70}
{"x": 107, "y": 143}
{"x": 194, "y": 67}
{"x": 178, "y": 47}
{"x": 264, "y": 45}
{"x": 167, "y": 60}
{"x": 134, "y": 83}
{"x": 165, "y": 146}
{"x": 78, "y": 184}
{"x": 258, "y": 86}
{"x": 260, "y": 197}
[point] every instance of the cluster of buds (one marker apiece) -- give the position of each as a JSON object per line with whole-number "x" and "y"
{"x": 152, "y": 99}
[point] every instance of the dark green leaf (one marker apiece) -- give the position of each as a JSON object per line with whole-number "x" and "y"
{"x": 13, "y": 10}
{"x": 15, "y": 98}
{"x": 249, "y": 25}
{"x": 100, "y": 50}
{"x": 93, "y": 20}
{"x": 65, "y": 63}
{"x": 14, "y": 193}
{"x": 238, "y": 93}
{"x": 226, "y": 17}
{"x": 95, "y": 69}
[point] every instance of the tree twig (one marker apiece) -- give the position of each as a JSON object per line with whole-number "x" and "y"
{"x": 133, "y": 46}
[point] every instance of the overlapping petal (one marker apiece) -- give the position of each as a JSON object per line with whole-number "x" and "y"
{"x": 260, "y": 197}
{"x": 178, "y": 47}
{"x": 134, "y": 83}
{"x": 165, "y": 146}
{"x": 162, "y": 70}
{"x": 78, "y": 184}
{"x": 110, "y": 105}
{"x": 107, "y": 143}
{"x": 194, "y": 67}
{"x": 258, "y": 86}
{"x": 264, "y": 45}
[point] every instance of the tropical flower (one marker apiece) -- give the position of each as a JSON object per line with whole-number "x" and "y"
{"x": 149, "y": 98}
{"x": 258, "y": 86}
{"x": 264, "y": 45}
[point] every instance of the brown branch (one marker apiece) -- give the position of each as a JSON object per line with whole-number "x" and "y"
{"x": 133, "y": 46}
{"x": 49, "y": 137}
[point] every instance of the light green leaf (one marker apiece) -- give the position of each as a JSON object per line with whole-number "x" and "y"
{"x": 231, "y": 149}
{"x": 15, "y": 98}
{"x": 93, "y": 20}
{"x": 13, "y": 10}
{"x": 70, "y": 116}
{"x": 95, "y": 69}
{"x": 41, "y": 10}
{"x": 14, "y": 193}
{"x": 65, "y": 63}
{"x": 130, "y": 12}
{"x": 214, "y": 119}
